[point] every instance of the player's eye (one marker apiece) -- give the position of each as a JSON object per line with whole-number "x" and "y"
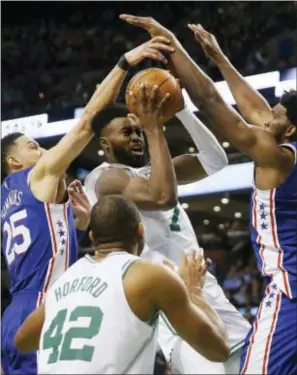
{"x": 127, "y": 131}
{"x": 33, "y": 146}
{"x": 139, "y": 132}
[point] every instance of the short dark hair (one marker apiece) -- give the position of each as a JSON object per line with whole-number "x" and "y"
{"x": 114, "y": 219}
{"x": 7, "y": 143}
{"x": 103, "y": 118}
{"x": 289, "y": 101}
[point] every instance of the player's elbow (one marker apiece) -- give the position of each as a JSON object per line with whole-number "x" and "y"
{"x": 215, "y": 347}
{"x": 221, "y": 353}
{"x": 166, "y": 201}
{"x": 218, "y": 351}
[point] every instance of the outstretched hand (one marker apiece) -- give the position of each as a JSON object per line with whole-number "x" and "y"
{"x": 149, "y": 24}
{"x": 208, "y": 43}
{"x": 150, "y": 50}
{"x": 80, "y": 204}
{"x": 192, "y": 269}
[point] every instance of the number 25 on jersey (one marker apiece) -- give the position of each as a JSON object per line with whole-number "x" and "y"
{"x": 18, "y": 237}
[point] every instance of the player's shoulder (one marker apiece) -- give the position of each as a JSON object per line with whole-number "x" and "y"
{"x": 150, "y": 275}
{"x": 19, "y": 179}
{"x": 106, "y": 169}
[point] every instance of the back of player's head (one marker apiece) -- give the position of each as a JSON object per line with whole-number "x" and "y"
{"x": 289, "y": 101}
{"x": 7, "y": 143}
{"x": 105, "y": 117}
{"x": 115, "y": 219}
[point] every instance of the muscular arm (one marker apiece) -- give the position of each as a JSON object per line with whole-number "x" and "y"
{"x": 57, "y": 159}
{"x": 197, "y": 323}
{"x": 159, "y": 191}
{"x": 255, "y": 142}
{"x": 27, "y": 337}
{"x": 188, "y": 169}
{"x": 252, "y": 105}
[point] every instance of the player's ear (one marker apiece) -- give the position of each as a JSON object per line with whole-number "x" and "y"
{"x": 141, "y": 240}
{"x": 104, "y": 144}
{"x": 91, "y": 236}
{"x": 13, "y": 163}
{"x": 290, "y": 131}
{"x": 140, "y": 231}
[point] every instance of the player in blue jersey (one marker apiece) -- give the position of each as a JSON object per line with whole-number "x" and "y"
{"x": 38, "y": 231}
{"x": 272, "y": 143}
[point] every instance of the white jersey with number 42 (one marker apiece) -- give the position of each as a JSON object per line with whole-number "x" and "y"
{"x": 89, "y": 327}
{"x": 167, "y": 234}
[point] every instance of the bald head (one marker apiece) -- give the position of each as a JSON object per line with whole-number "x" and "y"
{"x": 115, "y": 219}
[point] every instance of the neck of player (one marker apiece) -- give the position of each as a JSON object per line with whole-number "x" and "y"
{"x": 103, "y": 250}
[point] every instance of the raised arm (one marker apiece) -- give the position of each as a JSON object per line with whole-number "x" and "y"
{"x": 252, "y": 105}
{"x": 255, "y": 142}
{"x": 159, "y": 191}
{"x": 55, "y": 161}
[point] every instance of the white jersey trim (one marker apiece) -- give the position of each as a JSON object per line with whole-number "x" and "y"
{"x": 57, "y": 220}
{"x": 271, "y": 253}
{"x": 288, "y": 145}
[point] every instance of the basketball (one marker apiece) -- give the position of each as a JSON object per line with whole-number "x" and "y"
{"x": 167, "y": 84}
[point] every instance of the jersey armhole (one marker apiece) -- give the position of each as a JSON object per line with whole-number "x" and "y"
{"x": 152, "y": 320}
{"x": 292, "y": 148}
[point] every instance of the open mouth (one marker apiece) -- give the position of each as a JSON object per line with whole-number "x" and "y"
{"x": 137, "y": 150}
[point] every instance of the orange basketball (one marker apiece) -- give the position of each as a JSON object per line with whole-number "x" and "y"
{"x": 167, "y": 84}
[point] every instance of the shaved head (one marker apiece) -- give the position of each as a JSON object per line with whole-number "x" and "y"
{"x": 115, "y": 219}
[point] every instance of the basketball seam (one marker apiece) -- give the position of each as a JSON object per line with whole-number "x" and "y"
{"x": 132, "y": 82}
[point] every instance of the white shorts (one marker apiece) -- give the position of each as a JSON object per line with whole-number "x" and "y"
{"x": 184, "y": 359}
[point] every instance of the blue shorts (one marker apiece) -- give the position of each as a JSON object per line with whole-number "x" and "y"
{"x": 271, "y": 345}
{"x": 12, "y": 361}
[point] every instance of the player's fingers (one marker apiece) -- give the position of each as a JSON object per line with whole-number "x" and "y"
{"x": 154, "y": 94}
{"x": 79, "y": 187}
{"x": 132, "y": 97}
{"x": 161, "y": 46}
{"x": 154, "y": 54}
{"x": 191, "y": 27}
{"x": 196, "y": 32}
{"x": 163, "y": 103}
{"x": 142, "y": 94}
{"x": 160, "y": 39}
{"x": 134, "y": 20}
{"x": 71, "y": 191}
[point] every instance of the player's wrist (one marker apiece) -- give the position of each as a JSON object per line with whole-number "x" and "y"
{"x": 221, "y": 61}
{"x": 82, "y": 223}
{"x": 155, "y": 131}
{"x": 124, "y": 63}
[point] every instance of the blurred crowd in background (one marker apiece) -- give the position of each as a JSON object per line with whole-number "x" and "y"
{"x": 54, "y": 61}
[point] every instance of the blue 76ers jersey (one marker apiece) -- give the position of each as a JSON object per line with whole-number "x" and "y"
{"x": 38, "y": 239}
{"x": 274, "y": 231}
